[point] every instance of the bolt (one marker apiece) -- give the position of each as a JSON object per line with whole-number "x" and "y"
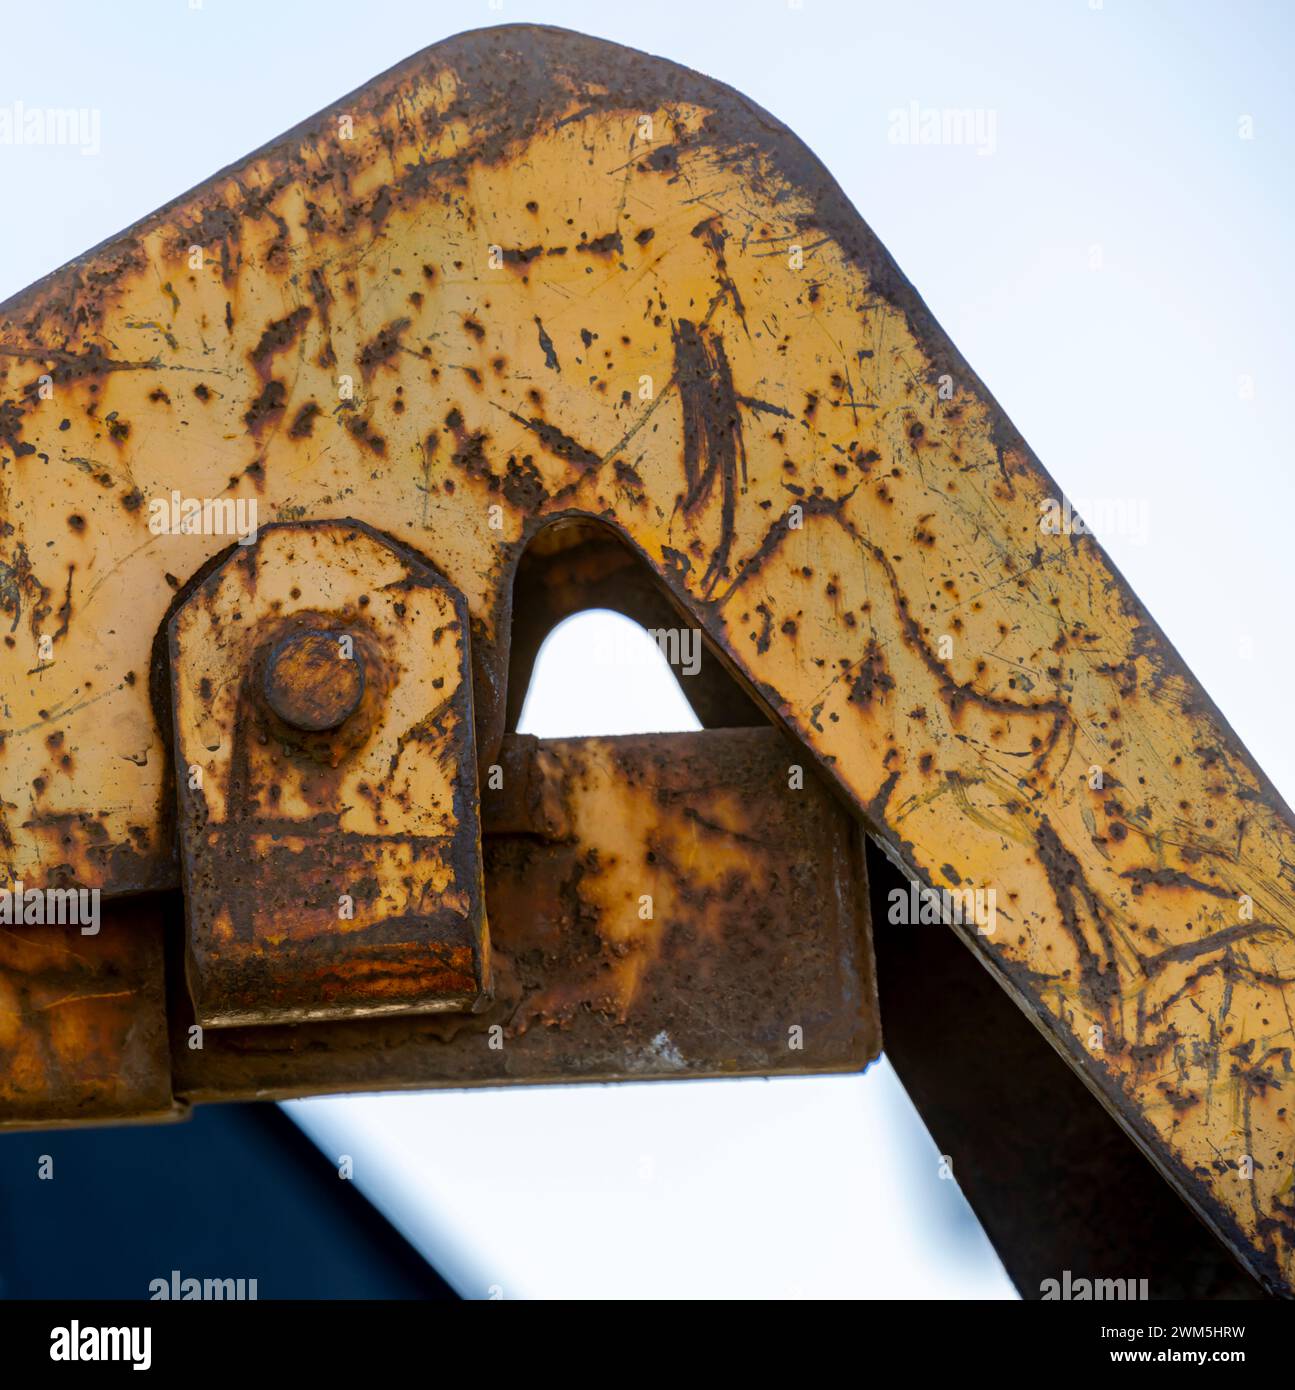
{"x": 313, "y": 681}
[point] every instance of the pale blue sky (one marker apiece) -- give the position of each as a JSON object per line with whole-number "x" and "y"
{"x": 1118, "y": 270}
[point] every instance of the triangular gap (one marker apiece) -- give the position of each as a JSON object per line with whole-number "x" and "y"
{"x": 599, "y": 647}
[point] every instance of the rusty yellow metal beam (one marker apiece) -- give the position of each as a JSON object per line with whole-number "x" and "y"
{"x": 83, "y": 1022}
{"x": 661, "y": 907}
{"x": 526, "y": 276}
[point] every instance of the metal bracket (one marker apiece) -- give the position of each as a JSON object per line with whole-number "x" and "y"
{"x": 661, "y": 906}
{"x": 326, "y": 776}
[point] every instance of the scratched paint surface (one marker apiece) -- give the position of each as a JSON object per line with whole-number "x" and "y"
{"x": 562, "y": 278}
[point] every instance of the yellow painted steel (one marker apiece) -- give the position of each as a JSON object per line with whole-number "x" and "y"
{"x": 527, "y": 275}
{"x": 329, "y": 873}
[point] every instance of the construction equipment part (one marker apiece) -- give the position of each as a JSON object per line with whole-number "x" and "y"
{"x": 322, "y": 706}
{"x": 528, "y": 277}
{"x": 661, "y": 906}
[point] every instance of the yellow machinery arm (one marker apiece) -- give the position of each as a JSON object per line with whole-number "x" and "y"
{"x": 529, "y": 278}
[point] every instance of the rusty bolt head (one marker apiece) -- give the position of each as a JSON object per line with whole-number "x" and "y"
{"x": 314, "y": 681}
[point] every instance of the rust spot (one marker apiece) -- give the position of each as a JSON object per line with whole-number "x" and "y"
{"x": 384, "y": 346}
{"x": 269, "y": 404}
{"x": 278, "y": 337}
{"x": 303, "y": 423}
